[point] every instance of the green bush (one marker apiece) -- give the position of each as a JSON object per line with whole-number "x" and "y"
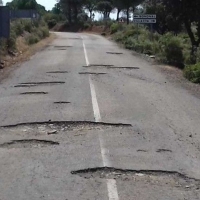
{"x": 192, "y": 73}
{"x": 51, "y": 23}
{"x": 32, "y": 39}
{"x": 18, "y": 27}
{"x": 28, "y": 26}
{"x": 11, "y": 42}
{"x": 114, "y": 28}
{"x": 119, "y": 36}
{"x": 45, "y": 32}
{"x": 173, "y": 51}
{"x": 86, "y": 25}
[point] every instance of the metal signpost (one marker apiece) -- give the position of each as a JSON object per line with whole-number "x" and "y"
{"x": 4, "y": 22}
{"x": 145, "y": 19}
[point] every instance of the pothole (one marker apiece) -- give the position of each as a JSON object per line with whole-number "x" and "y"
{"x": 112, "y": 67}
{"x": 33, "y": 93}
{"x": 61, "y": 102}
{"x": 99, "y": 65}
{"x": 33, "y": 84}
{"x": 163, "y": 150}
{"x": 115, "y": 53}
{"x": 61, "y": 49}
{"x": 93, "y": 73}
{"x": 61, "y": 46}
{"x": 155, "y": 177}
{"x": 58, "y": 72}
{"x": 38, "y": 128}
{"x": 31, "y": 143}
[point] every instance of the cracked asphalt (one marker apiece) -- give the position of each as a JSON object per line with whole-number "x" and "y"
{"x": 85, "y": 105}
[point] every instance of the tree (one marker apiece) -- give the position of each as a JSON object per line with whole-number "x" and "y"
{"x": 23, "y": 4}
{"x": 118, "y": 4}
{"x": 127, "y": 4}
{"x": 90, "y": 6}
{"x": 105, "y": 7}
{"x": 187, "y": 12}
{"x": 72, "y": 8}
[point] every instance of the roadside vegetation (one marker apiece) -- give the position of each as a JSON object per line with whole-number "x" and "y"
{"x": 175, "y": 39}
{"x": 176, "y": 35}
{"x": 31, "y": 31}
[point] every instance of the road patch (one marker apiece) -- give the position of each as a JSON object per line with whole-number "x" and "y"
{"x": 30, "y": 143}
{"x": 114, "y": 53}
{"x": 156, "y": 177}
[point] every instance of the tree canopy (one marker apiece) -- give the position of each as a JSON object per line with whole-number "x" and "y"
{"x": 26, "y": 5}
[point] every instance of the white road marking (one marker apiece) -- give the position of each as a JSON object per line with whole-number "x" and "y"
{"x": 95, "y": 105}
{"x": 111, "y": 183}
{"x": 112, "y": 189}
{"x": 85, "y": 52}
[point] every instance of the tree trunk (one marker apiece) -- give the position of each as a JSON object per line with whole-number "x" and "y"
{"x": 90, "y": 14}
{"x": 118, "y": 12}
{"x": 127, "y": 19}
{"x": 195, "y": 44}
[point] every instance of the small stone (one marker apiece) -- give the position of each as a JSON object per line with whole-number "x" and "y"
{"x": 139, "y": 174}
{"x": 52, "y": 132}
{"x": 190, "y": 136}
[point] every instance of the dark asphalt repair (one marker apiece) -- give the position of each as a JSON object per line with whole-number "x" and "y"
{"x": 112, "y": 67}
{"x": 57, "y": 72}
{"x": 62, "y": 46}
{"x": 31, "y": 143}
{"x": 33, "y": 93}
{"x": 114, "y": 53}
{"x": 61, "y": 102}
{"x": 69, "y": 124}
{"x": 156, "y": 177}
{"x": 92, "y": 73}
{"x": 34, "y": 84}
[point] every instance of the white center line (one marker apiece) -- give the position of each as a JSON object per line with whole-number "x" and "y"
{"x": 111, "y": 183}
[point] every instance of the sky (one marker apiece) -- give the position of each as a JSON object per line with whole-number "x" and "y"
{"x": 49, "y": 4}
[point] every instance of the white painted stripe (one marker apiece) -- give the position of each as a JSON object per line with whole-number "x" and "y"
{"x": 85, "y": 52}
{"x": 111, "y": 183}
{"x": 112, "y": 189}
{"x": 104, "y": 152}
{"x": 97, "y": 115}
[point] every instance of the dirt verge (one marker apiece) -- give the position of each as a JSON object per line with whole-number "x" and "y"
{"x": 24, "y": 53}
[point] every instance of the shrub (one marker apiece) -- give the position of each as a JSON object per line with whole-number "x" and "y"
{"x": 45, "y": 32}
{"x": 12, "y": 40}
{"x": 173, "y": 51}
{"x": 32, "y": 39}
{"x": 18, "y": 27}
{"x": 86, "y": 25}
{"x": 114, "y": 28}
{"x": 51, "y": 23}
{"x": 192, "y": 73}
{"x": 28, "y": 25}
{"x": 118, "y": 37}
{"x": 148, "y": 47}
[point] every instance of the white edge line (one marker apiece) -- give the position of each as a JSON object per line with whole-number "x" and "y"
{"x": 111, "y": 183}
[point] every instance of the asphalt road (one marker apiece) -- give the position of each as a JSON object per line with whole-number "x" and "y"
{"x": 86, "y": 120}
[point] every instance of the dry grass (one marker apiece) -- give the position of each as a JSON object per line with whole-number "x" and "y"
{"x": 25, "y": 52}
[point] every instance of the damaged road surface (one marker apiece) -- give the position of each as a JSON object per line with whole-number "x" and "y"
{"x": 94, "y": 122}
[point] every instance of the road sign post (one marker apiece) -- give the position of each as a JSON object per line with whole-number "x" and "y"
{"x": 145, "y": 19}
